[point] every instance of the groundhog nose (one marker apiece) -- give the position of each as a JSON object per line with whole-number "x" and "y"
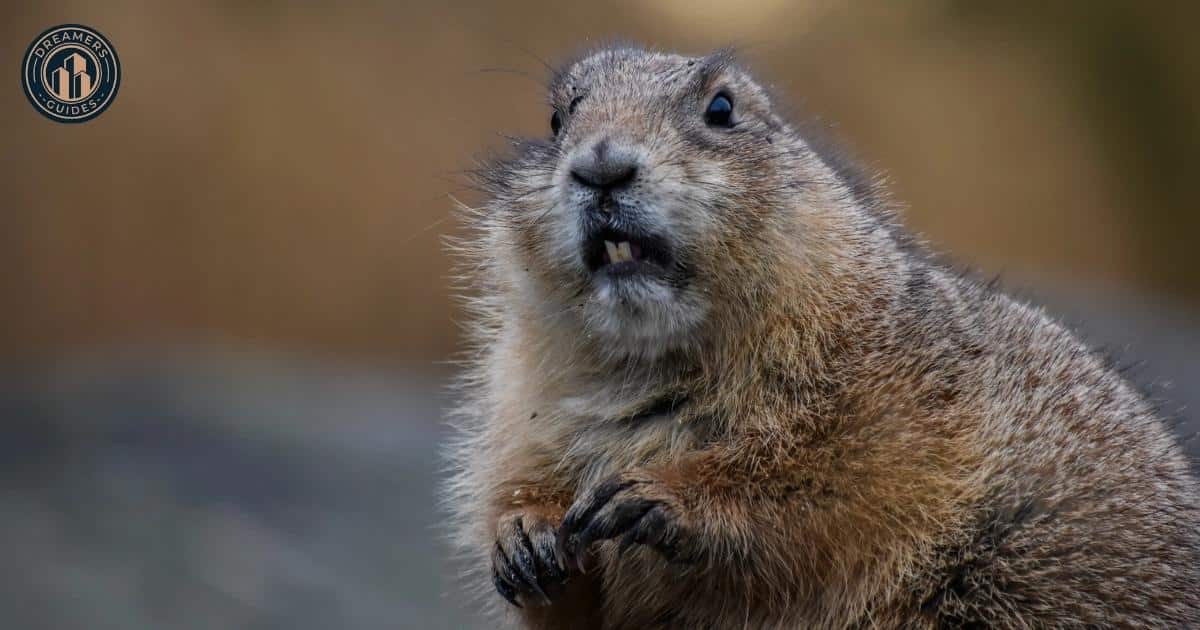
{"x": 604, "y": 167}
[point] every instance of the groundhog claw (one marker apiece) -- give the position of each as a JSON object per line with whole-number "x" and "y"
{"x": 634, "y": 508}
{"x": 525, "y": 564}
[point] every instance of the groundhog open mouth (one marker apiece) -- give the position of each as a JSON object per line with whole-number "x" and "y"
{"x": 616, "y": 252}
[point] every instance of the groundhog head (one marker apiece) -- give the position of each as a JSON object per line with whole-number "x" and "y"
{"x": 655, "y": 203}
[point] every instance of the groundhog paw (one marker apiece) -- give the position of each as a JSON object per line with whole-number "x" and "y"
{"x": 526, "y": 567}
{"x": 633, "y": 506}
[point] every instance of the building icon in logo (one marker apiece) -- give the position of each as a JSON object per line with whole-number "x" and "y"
{"x": 71, "y": 81}
{"x": 71, "y": 73}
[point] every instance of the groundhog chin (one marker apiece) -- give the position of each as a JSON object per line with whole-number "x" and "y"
{"x": 642, "y": 316}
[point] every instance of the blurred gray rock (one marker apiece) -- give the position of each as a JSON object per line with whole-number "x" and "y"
{"x": 199, "y": 490}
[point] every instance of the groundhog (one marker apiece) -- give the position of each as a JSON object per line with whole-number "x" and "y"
{"x": 715, "y": 385}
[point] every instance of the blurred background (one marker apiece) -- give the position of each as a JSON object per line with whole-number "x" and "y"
{"x": 224, "y": 352}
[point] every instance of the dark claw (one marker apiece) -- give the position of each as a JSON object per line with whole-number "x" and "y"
{"x": 655, "y": 529}
{"x": 504, "y": 588}
{"x": 607, "y": 512}
{"x": 502, "y": 568}
{"x": 586, "y": 506}
{"x": 545, "y": 545}
{"x": 525, "y": 563}
{"x": 609, "y": 522}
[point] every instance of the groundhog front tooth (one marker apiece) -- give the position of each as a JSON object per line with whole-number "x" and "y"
{"x": 626, "y": 252}
{"x": 614, "y": 254}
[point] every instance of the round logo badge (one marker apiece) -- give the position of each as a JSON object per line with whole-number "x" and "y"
{"x": 71, "y": 73}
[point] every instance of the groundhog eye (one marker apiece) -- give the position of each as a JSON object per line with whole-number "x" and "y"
{"x": 555, "y": 123}
{"x": 720, "y": 111}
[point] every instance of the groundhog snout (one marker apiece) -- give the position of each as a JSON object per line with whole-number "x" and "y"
{"x": 605, "y": 166}
{"x": 607, "y": 183}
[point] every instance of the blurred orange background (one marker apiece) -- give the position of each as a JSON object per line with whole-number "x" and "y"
{"x": 279, "y": 174}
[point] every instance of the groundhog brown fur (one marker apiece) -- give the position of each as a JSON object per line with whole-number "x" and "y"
{"x": 713, "y": 384}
